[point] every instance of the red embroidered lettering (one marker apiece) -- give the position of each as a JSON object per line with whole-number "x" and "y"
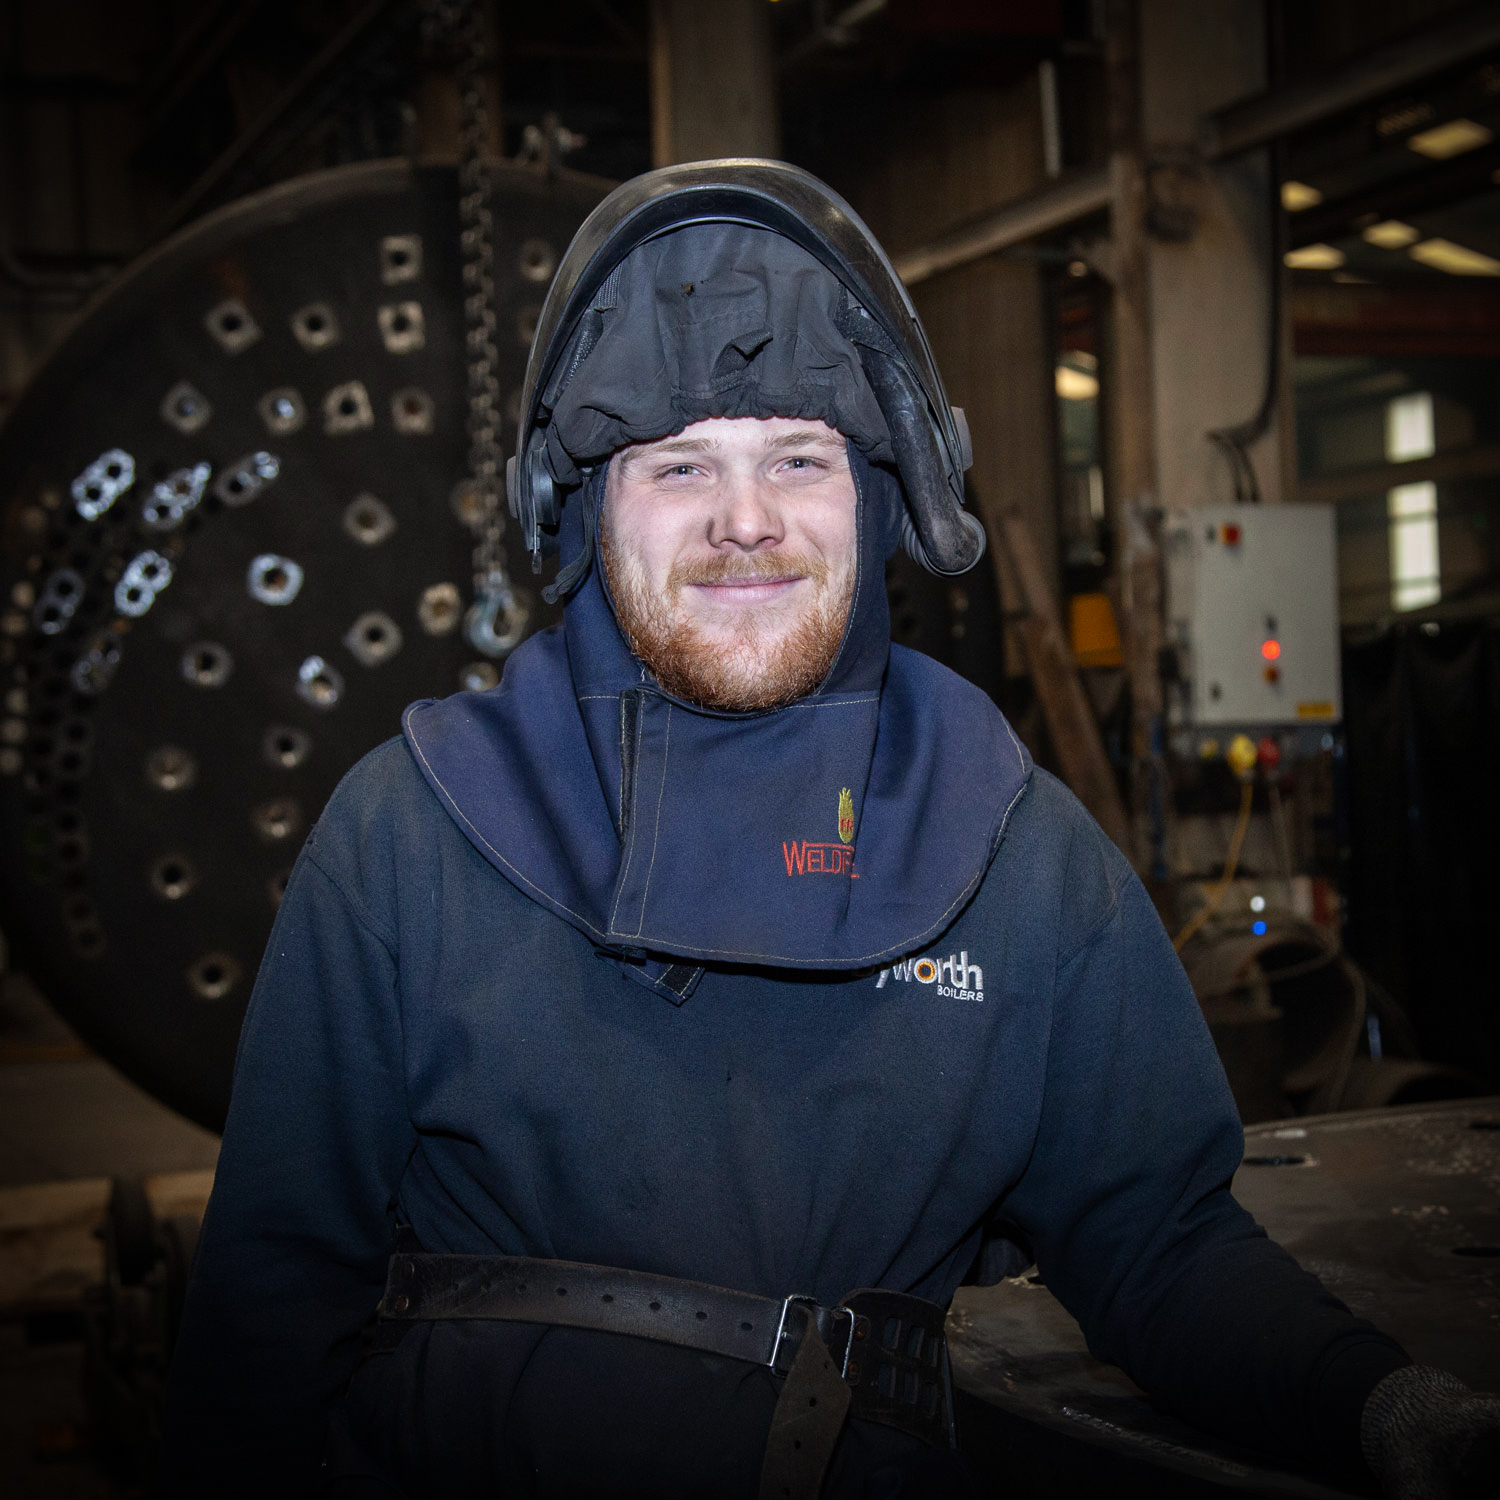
{"x": 804, "y": 858}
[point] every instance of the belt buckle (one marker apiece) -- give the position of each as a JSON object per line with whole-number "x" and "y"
{"x": 813, "y": 1308}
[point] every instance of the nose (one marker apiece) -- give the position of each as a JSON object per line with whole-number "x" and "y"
{"x": 746, "y": 515}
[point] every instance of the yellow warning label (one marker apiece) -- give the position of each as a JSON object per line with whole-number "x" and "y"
{"x": 1316, "y": 711}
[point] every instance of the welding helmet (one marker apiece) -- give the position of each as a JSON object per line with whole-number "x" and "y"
{"x": 928, "y": 437}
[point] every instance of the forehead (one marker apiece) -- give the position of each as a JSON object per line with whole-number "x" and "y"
{"x": 739, "y": 435}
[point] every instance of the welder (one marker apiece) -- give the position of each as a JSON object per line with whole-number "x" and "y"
{"x": 648, "y": 1048}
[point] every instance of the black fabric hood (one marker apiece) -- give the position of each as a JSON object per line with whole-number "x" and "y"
{"x": 711, "y": 320}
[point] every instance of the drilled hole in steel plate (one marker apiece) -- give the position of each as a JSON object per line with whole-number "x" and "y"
{"x": 241, "y": 482}
{"x": 1277, "y": 1161}
{"x": 185, "y": 407}
{"x": 346, "y": 408}
{"x": 537, "y": 261}
{"x": 479, "y": 677}
{"x": 402, "y": 328}
{"x": 282, "y": 410}
{"x": 373, "y": 638}
{"x": 173, "y": 498}
{"x": 368, "y": 520}
{"x": 207, "y": 664}
{"x": 315, "y": 326}
{"x": 400, "y": 258}
{"x": 285, "y": 747}
{"x": 412, "y": 411}
{"x": 277, "y": 820}
{"x": 439, "y": 608}
{"x": 213, "y": 976}
{"x": 170, "y": 768}
{"x": 232, "y": 326}
{"x": 173, "y": 876}
{"x": 102, "y": 483}
{"x": 318, "y": 683}
{"x": 273, "y": 579}
{"x": 1478, "y": 1252}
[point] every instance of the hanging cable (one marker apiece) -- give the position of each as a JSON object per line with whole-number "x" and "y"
{"x": 1234, "y": 442}
{"x": 1231, "y": 864}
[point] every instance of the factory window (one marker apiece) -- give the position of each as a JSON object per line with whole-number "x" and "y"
{"x": 1412, "y": 509}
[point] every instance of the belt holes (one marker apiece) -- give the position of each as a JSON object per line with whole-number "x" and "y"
{"x": 747, "y": 1328}
{"x": 703, "y": 1317}
{"x": 607, "y": 1297}
{"x": 929, "y": 1401}
{"x": 891, "y": 1338}
{"x": 656, "y": 1307}
{"x": 914, "y": 1342}
{"x": 909, "y": 1388}
{"x": 886, "y": 1382}
{"x": 562, "y": 1291}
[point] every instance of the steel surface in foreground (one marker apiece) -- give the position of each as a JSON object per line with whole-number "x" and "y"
{"x": 1398, "y": 1211}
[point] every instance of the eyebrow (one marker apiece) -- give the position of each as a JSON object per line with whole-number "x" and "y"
{"x": 804, "y": 438}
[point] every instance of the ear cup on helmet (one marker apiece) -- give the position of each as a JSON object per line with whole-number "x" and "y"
{"x": 532, "y": 494}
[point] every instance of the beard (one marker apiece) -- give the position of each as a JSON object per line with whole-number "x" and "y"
{"x": 768, "y": 663}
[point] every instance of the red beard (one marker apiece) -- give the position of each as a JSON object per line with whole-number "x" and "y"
{"x": 758, "y": 670}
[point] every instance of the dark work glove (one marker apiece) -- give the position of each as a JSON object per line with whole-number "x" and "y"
{"x": 1427, "y": 1436}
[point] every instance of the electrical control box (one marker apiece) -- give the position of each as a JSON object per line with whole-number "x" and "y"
{"x": 1252, "y": 599}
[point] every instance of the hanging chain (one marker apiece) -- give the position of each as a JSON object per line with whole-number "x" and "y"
{"x": 497, "y": 619}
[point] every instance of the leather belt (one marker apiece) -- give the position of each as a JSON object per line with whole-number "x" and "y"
{"x": 880, "y": 1356}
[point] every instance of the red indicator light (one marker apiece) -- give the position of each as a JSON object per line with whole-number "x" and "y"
{"x": 1231, "y": 536}
{"x": 1271, "y": 650}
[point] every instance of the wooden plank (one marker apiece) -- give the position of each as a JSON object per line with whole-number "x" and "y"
{"x": 1054, "y": 673}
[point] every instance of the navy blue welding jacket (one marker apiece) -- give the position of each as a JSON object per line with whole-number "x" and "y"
{"x": 428, "y": 1044}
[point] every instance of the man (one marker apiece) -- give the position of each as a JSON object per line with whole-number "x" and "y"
{"x": 620, "y": 1025}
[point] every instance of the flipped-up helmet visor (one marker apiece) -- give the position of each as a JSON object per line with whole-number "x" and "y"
{"x": 927, "y": 437}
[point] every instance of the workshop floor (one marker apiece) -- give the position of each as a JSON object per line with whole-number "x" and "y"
{"x": 68, "y": 1122}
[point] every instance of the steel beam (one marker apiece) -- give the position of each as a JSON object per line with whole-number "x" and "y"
{"x": 1226, "y": 132}
{"x": 1267, "y": 117}
{"x": 1070, "y": 198}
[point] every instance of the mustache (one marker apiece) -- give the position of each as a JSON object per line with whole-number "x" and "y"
{"x": 753, "y": 567}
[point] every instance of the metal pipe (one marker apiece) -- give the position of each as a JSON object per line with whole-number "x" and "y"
{"x": 1072, "y": 197}
{"x": 1255, "y": 122}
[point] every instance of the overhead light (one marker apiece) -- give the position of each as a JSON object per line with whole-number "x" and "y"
{"x": 1392, "y": 234}
{"x": 1314, "y": 258}
{"x": 1456, "y": 260}
{"x": 1295, "y": 196}
{"x": 1075, "y": 385}
{"x": 1452, "y": 139}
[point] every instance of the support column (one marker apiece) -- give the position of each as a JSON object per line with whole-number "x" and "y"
{"x": 1131, "y": 428}
{"x": 713, "y": 88}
